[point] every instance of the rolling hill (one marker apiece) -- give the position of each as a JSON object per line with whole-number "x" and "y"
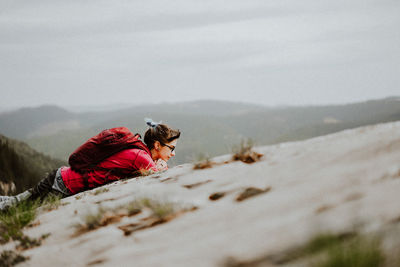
{"x": 208, "y": 127}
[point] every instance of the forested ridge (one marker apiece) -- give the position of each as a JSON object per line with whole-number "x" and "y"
{"x": 21, "y": 165}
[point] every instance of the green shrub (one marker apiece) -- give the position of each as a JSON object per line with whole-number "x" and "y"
{"x": 51, "y": 202}
{"x": 15, "y": 218}
{"x": 360, "y": 251}
{"x": 324, "y": 241}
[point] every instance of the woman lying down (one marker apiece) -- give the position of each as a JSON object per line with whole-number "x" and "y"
{"x": 109, "y": 156}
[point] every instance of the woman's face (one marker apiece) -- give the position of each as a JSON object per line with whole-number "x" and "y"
{"x": 165, "y": 151}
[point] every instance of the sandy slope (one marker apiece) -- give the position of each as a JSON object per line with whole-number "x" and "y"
{"x": 329, "y": 182}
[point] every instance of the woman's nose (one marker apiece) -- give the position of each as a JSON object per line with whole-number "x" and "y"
{"x": 173, "y": 153}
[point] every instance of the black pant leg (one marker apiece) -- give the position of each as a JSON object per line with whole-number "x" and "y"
{"x": 44, "y": 186}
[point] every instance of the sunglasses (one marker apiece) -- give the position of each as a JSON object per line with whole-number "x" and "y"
{"x": 170, "y": 147}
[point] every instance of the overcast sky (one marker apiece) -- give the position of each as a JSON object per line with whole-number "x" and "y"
{"x": 70, "y": 52}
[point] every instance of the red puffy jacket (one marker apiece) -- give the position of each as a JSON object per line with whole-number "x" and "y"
{"x": 127, "y": 161}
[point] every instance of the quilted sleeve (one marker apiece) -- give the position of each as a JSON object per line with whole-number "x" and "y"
{"x": 144, "y": 162}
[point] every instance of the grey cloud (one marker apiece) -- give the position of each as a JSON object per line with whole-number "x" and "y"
{"x": 261, "y": 51}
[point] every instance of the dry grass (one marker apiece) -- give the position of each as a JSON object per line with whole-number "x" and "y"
{"x": 93, "y": 220}
{"x": 203, "y": 162}
{"x": 101, "y": 190}
{"x": 159, "y": 209}
{"x": 244, "y": 152}
{"x": 160, "y": 213}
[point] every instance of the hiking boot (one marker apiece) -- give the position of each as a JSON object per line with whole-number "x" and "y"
{"x": 4, "y": 198}
{"x": 5, "y": 204}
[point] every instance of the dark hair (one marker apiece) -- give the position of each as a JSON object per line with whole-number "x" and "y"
{"x": 161, "y": 133}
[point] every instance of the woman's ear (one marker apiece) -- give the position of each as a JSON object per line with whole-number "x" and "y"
{"x": 157, "y": 145}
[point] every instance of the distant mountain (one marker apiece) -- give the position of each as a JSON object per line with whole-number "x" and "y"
{"x": 22, "y": 166}
{"x": 28, "y": 122}
{"x": 208, "y": 127}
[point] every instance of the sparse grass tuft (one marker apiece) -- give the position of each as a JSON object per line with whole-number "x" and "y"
{"x": 26, "y": 242}
{"x": 101, "y": 190}
{"x": 10, "y": 258}
{"x": 159, "y": 209}
{"x": 245, "y": 152}
{"x": 93, "y": 220}
{"x": 161, "y": 212}
{"x": 15, "y": 218}
{"x": 360, "y": 251}
{"x": 51, "y": 202}
{"x": 99, "y": 218}
{"x": 325, "y": 250}
{"x": 132, "y": 208}
{"x": 325, "y": 241}
{"x": 202, "y": 162}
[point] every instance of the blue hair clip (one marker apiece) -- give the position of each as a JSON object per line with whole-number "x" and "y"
{"x": 151, "y": 123}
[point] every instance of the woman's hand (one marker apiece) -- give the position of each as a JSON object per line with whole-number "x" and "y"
{"x": 161, "y": 165}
